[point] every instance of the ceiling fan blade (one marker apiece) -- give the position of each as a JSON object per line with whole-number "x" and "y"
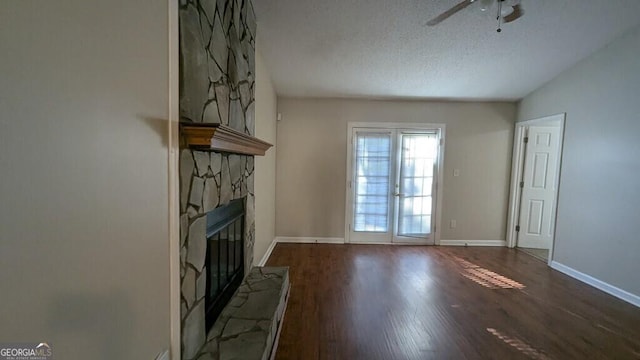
{"x": 515, "y": 15}
{"x": 447, "y": 14}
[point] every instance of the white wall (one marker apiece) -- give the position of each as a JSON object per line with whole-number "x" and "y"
{"x": 312, "y": 152}
{"x": 265, "y": 166}
{"x": 599, "y": 198}
{"x": 84, "y": 262}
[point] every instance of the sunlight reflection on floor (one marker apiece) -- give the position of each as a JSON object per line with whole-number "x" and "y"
{"x": 485, "y": 277}
{"x": 519, "y": 344}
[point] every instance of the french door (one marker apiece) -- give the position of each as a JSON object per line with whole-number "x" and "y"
{"x": 392, "y": 185}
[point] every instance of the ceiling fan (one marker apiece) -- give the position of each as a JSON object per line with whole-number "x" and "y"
{"x": 508, "y": 11}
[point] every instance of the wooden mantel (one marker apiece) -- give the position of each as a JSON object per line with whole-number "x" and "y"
{"x": 218, "y": 137}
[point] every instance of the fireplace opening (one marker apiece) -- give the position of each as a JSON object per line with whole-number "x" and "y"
{"x": 225, "y": 257}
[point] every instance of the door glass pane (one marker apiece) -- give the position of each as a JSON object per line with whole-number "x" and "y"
{"x": 417, "y": 159}
{"x": 373, "y": 157}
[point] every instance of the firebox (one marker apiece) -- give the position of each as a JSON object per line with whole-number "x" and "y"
{"x": 225, "y": 257}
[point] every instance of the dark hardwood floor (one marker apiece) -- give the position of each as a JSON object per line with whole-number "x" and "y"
{"x": 408, "y": 302}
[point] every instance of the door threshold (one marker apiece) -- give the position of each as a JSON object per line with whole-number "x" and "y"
{"x": 540, "y": 254}
{"x": 387, "y": 243}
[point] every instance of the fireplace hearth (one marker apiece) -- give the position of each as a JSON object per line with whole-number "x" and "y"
{"x": 224, "y": 258}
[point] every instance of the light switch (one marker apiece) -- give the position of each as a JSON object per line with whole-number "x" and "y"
{"x": 456, "y": 172}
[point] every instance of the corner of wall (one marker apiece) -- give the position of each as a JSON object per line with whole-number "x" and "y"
{"x": 265, "y": 167}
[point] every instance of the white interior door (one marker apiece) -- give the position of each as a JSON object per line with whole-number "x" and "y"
{"x": 539, "y": 187}
{"x": 392, "y": 187}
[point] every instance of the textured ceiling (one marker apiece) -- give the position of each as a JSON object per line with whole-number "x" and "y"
{"x": 383, "y": 48}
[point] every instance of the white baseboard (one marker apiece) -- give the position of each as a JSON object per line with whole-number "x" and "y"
{"x": 310, "y": 240}
{"x": 598, "y": 284}
{"x": 267, "y": 254}
{"x": 473, "y": 243}
{"x": 326, "y": 240}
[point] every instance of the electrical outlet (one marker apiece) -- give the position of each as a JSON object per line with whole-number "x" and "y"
{"x": 164, "y": 355}
{"x": 453, "y": 224}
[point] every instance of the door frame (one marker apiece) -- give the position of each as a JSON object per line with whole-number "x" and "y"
{"x": 173, "y": 164}
{"x": 348, "y": 213}
{"x": 517, "y": 166}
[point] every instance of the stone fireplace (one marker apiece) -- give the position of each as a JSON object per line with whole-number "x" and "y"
{"x": 203, "y": 190}
{"x": 217, "y": 81}
{"x": 217, "y": 106}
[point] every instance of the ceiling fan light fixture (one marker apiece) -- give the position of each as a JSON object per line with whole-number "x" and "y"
{"x": 485, "y": 5}
{"x": 506, "y": 10}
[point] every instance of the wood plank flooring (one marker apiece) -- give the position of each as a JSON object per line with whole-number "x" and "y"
{"x": 408, "y": 302}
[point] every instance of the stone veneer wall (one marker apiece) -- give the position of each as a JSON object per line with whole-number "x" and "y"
{"x": 217, "y": 85}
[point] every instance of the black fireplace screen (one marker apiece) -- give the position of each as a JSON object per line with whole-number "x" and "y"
{"x": 225, "y": 257}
